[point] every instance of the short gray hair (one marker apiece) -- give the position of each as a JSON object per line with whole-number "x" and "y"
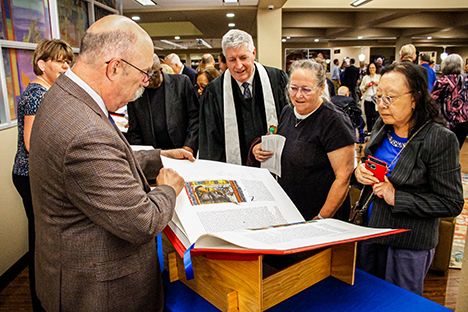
{"x": 315, "y": 67}
{"x": 113, "y": 43}
{"x": 235, "y": 38}
{"x": 453, "y": 64}
{"x": 408, "y": 52}
{"x": 174, "y": 58}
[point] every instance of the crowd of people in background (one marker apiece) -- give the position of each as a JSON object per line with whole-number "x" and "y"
{"x": 97, "y": 217}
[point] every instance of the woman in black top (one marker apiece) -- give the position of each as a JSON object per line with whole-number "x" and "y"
{"x": 318, "y": 156}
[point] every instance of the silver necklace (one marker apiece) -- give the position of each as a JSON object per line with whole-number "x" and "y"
{"x": 298, "y": 121}
{"x": 394, "y": 142}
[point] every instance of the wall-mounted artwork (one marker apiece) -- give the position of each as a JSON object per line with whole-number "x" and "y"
{"x": 26, "y": 20}
{"x": 18, "y": 74}
{"x": 73, "y": 20}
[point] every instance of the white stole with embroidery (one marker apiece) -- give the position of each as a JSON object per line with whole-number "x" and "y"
{"x": 231, "y": 131}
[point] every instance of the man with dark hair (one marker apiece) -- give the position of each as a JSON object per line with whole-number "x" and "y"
{"x": 222, "y": 62}
{"x": 241, "y": 104}
{"x": 166, "y": 115}
{"x": 96, "y": 216}
{"x": 431, "y": 75}
{"x": 336, "y": 72}
{"x": 351, "y": 76}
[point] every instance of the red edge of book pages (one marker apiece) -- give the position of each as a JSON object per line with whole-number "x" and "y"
{"x": 252, "y": 254}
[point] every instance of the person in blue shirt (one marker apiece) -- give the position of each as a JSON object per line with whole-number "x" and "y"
{"x": 336, "y": 72}
{"x": 423, "y": 184}
{"x": 431, "y": 75}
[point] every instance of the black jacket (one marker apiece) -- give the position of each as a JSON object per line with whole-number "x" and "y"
{"x": 182, "y": 108}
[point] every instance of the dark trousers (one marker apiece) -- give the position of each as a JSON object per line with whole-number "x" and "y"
{"x": 403, "y": 267}
{"x": 371, "y": 114}
{"x": 461, "y": 131}
{"x": 24, "y": 189}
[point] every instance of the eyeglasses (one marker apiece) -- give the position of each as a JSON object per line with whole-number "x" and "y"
{"x": 387, "y": 100}
{"x": 68, "y": 62}
{"x": 149, "y": 73}
{"x": 306, "y": 91}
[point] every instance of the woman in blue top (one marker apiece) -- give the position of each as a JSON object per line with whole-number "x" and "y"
{"x": 423, "y": 183}
{"x": 50, "y": 59}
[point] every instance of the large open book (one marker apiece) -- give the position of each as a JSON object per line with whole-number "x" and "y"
{"x": 238, "y": 209}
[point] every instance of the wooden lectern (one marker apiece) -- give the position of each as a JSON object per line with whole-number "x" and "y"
{"x": 237, "y": 282}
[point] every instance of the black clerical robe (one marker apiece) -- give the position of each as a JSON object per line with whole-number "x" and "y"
{"x": 251, "y": 117}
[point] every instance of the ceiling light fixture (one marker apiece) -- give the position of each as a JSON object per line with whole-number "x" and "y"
{"x": 174, "y": 44}
{"x": 203, "y": 42}
{"x": 444, "y": 55}
{"x": 288, "y": 38}
{"x": 230, "y": 1}
{"x": 146, "y": 2}
{"x": 357, "y": 3}
{"x": 429, "y": 37}
{"x": 316, "y": 40}
{"x": 135, "y": 18}
{"x": 230, "y": 15}
{"x": 359, "y": 37}
{"x": 232, "y": 25}
{"x": 176, "y": 37}
{"x": 283, "y": 40}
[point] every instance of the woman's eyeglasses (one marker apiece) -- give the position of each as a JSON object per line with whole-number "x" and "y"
{"x": 306, "y": 91}
{"x": 387, "y": 100}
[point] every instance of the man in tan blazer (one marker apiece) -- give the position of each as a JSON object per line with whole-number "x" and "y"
{"x": 96, "y": 217}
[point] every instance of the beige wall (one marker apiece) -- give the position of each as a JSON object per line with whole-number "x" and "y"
{"x": 13, "y": 221}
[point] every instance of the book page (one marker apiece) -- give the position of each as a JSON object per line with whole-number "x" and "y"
{"x": 220, "y": 197}
{"x": 289, "y": 236}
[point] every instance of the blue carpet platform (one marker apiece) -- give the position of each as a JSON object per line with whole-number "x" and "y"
{"x": 368, "y": 293}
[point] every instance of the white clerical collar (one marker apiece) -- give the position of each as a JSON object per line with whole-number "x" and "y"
{"x": 299, "y": 116}
{"x": 96, "y": 97}
{"x": 250, "y": 81}
{"x": 182, "y": 69}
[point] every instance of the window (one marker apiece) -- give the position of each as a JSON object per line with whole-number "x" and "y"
{"x": 23, "y": 23}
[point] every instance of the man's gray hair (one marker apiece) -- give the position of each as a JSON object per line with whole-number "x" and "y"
{"x": 109, "y": 44}
{"x": 453, "y": 64}
{"x": 174, "y": 58}
{"x": 236, "y": 38}
{"x": 208, "y": 58}
{"x": 408, "y": 52}
{"x": 315, "y": 67}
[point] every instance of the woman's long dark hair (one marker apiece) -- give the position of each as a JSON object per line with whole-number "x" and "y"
{"x": 426, "y": 107}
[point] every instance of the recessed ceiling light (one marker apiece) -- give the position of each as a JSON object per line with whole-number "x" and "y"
{"x": 316, "y": 40}
{"x": 429, "y": 37}
{"x": 288, "y": 37}
{"x": 230, "y": 15}
{"x": 232, "y": 25}
{"x": 283, "y": 40}
{"x": 135, "y": 18}
{"x": 146, "y": 2}
{"x": 230, "y": 1}
{"x": 360, "y": 37}
{"x": 176, "y": 37}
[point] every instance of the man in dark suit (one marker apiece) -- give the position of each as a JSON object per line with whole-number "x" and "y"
{"x": 351, "y": 76}
{"x": 173, "y": 61}
{"x": 96, "y": 216}
{"x": 166, "y": 116}
{"x": 241, "y": 104}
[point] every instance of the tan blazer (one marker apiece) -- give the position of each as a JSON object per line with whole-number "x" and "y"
{"x": 96, "y": 217}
